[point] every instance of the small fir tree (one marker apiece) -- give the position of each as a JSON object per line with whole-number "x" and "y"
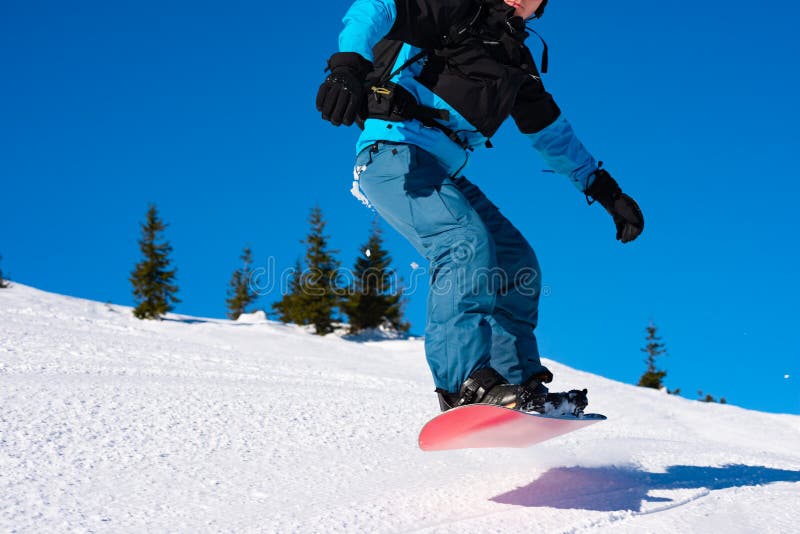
{"x": 153, "y": 280}
{"x": 316, "y": 296}
{"x": 3, "y": 281}
{"x": 240, "y": 293}
{"x": 289, "y": 307}
{"x": 709, "y": 398}
{"x": 374, "y": 300}
{"x": 653, "y": 377}
{"x": 321, "y": 292}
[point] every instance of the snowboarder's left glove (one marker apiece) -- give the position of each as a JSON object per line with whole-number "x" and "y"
{"x": 623, "y": 209}
{"x": 341, "y": 94}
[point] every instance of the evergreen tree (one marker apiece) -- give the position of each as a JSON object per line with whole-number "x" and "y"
{"x": 153, "y": 280}
{"x": 652, "y": 377}
{"x": 289, "y": 307}
{"x": 321, "y": 291}
{"x": 373, "y": 300}
{"x": 240, "y": 294}
{"x": 709, "y": 398}
{"x": 3, "y": 281}
{"x": 316, "y": 292}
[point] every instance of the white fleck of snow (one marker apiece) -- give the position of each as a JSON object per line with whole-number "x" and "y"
{"x": 355, "y": 190}
{"x": 786, "y": 376}
{"x": 368, "y": 253}
{"x": 414, "y": 265}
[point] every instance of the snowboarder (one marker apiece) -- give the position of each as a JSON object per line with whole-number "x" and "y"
{"x": 429, "y": 81}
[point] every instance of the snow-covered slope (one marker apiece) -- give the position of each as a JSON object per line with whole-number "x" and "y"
{"x": 110, "y": 424}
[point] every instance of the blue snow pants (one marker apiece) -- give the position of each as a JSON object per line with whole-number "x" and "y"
{"x": 484, "y": 276}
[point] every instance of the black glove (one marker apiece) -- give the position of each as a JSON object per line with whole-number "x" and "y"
{"x": 626, "y": 213}
{"x": 341, "y": 94}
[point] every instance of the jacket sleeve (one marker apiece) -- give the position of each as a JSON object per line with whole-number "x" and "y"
{"x": 420, "y": 23}
{"x": 564, "y": 153}
{"x": 540, "y": 119}
{"x": 366, "y": 23}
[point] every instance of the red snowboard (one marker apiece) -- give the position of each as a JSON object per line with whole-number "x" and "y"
{"x": 484, "y": 426}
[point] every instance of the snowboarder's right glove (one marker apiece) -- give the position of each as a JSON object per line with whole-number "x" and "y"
{"x": 623, "y": 209}
{"x": 341, "y": 94}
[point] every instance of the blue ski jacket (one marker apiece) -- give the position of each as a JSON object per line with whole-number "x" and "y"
{"x": 415, "y": 23}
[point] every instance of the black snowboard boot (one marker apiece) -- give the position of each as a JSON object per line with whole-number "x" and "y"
{"x": 572, "y": 402}
{"x": 533, "y": 394}
{"x": 536, "y": 398}
{"x": 484, "y": 386}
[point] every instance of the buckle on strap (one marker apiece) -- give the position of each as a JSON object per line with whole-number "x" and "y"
{"x": 470, "y": 391}
{"x": 383, "y": 91}
{"x": 478, "y": 384}
{"x": 392, "y": 102}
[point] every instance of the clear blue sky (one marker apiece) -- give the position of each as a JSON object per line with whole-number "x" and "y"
{"x": 207, "y": 109}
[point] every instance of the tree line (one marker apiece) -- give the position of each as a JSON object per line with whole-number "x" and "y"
{"x": 317, "y": 295}
{"x": 317, "y": 292}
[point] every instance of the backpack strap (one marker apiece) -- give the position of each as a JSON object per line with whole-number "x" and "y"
{"x": 413, "y": 59}
{"x": 392, "y": 102}
{"x": 545, "y": 52}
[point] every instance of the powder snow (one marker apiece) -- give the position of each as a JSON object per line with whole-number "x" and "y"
{"x": 111, "y": 424}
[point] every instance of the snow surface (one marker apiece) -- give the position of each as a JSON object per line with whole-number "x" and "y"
{"x": 111, "y": 424}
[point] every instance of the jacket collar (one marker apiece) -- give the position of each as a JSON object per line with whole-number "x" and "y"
{"x": 500, "y": 20}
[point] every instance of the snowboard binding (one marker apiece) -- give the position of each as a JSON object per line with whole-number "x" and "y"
{"x": 486, "y": 386}
{"x": 573, "y": 403}
{"x": 483, "y": 386}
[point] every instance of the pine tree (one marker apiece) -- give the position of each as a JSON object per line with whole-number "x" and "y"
{"x": 321, "y": 292}
{"x": 153, "y": 280}
{"x": 289, "y": 307}
{"x": 316, "y": 296}
{"x": 240, "y": 293}
{"x": 652, "y": 377}
{"x": 373, "y": 300}
{"x": 3, "y": 281}
{"x": 709, "y": 398}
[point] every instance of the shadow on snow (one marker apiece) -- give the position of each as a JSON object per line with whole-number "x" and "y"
{"x": 186, "y": 321}
{"x": 609, "y": 489}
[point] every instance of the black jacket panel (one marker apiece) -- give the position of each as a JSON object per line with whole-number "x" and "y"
{"x": 534, "y": 108}
{"x": 425, "y": 23}
{"x": 487, "y": 73}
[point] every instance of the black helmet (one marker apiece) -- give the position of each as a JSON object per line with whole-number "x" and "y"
{"x": 540, "y": 10}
